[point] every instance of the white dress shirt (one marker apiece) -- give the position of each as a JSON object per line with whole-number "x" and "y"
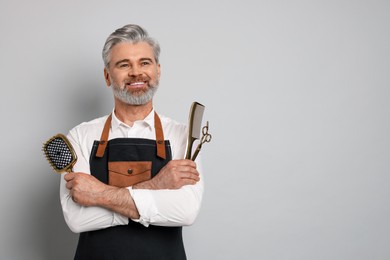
{"x": 156, "y": 207}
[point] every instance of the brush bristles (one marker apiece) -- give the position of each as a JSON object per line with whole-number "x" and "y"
{"x": 59, "y": 153}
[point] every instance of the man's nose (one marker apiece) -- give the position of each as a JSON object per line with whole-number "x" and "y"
{"x": 135, "y": 71}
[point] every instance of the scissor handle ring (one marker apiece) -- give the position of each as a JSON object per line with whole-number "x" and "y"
{"x": 207, "y": 137}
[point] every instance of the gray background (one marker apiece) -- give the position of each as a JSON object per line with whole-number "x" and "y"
{"x": 296, "y": 92}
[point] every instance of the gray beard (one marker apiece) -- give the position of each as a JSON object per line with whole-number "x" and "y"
{"x": 130, "y": 99}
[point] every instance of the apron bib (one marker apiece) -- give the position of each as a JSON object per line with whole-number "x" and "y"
{"x": 132, "y": 241}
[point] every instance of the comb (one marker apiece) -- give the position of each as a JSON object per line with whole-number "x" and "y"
{"x": 60, "y": 153}
{"x": 195, "y": 122}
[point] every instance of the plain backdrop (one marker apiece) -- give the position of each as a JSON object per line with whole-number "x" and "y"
{"x": 296, "y": 92}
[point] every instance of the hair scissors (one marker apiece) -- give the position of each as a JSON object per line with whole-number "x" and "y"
{"x": 206, "y": 138}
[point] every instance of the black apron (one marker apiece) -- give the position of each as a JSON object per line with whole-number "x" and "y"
{"x": 132, "y": 241}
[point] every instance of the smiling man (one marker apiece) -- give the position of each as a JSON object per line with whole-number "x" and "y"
{"x": 131, "y": 190}
{"x": 142, "y": 86}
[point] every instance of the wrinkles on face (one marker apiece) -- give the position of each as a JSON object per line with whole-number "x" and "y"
{"x": 134, "y": 75}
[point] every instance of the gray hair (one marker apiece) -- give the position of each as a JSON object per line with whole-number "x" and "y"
{"x": 130, "y": 33}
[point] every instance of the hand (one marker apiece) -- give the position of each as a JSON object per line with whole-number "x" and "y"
{"x": 174, "y": 175}
{"x": 84, "y": 188}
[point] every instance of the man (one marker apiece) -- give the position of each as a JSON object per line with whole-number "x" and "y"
{"x": 131, "y": 190}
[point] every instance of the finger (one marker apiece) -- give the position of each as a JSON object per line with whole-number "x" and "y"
{"x": 188, "y": 182}
{"x": 69, "y": 185}
{"x": 188, "y": 169}
{"x": 190, "y": 163}
{"x": 69, "y": 176}
{"x": 194, "y": 177}
{"x": 73, "y": 197}
{"x": 184, "y": 162}
{"x": 190, "y": 176}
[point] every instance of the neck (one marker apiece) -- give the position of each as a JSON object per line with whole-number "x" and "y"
{"x": 128, "y": 114}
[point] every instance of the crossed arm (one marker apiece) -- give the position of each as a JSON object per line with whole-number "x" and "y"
{"x": 169, "y": 199}
{"x": 86, "y": 190}
{"x": 172, "y": 198}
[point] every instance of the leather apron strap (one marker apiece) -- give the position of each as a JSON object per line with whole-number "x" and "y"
{"x": 104, "y": 138}
{"x": 159, "y": 137}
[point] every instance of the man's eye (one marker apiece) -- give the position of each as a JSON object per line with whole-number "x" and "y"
{"x": 123, "y": 65}
{"x": 145, "y": 63}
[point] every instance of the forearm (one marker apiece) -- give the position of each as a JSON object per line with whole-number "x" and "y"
{"x": 114, "y": 206}
{"x": 172, "y": 198}
{"x": 80, "y": 219}
{"x": 92, "y": 210}
{"x": 106, "y": 206}
{"x": 118, "y": 200}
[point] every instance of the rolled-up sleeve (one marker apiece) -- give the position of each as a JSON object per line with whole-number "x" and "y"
{"x": 178, "y": 207}
{"x": 169, "y": 207}
{"x": 79, "y": 218}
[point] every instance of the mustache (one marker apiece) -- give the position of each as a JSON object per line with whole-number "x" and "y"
{"x": 136, "y": 79}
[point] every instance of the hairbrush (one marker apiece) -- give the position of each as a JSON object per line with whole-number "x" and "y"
{"x": 60, "y": 153}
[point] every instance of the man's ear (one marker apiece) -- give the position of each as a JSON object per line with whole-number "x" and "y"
{"x": 158, "y": 70}
{"x": 107, "y": 77}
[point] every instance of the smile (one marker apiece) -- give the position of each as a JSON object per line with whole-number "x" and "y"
{"x": 137, "y": 83}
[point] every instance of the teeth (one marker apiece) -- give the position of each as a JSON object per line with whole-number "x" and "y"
{"x": 136, "y": 83}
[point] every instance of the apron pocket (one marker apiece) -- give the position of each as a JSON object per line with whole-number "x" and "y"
{"x": 125, "y": 174}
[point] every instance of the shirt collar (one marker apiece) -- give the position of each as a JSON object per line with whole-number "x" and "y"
{"x": 147, "y": 121}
